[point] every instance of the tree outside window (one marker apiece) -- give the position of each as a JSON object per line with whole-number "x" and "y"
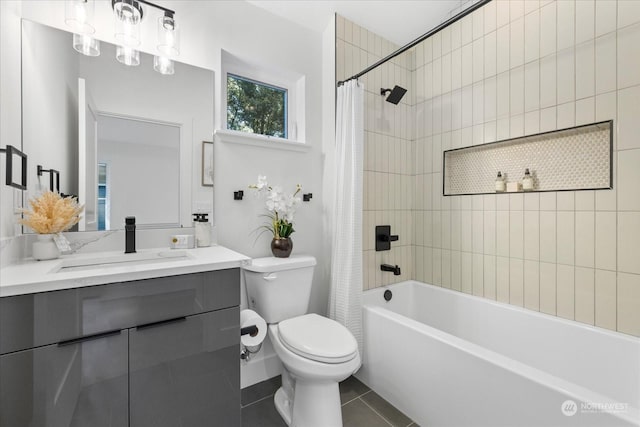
{"x": 256, "y": 107}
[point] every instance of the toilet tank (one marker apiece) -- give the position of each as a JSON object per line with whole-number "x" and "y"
{"x": 279, "y": 288}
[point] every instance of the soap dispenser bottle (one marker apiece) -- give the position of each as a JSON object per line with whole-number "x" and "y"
{"x": 203, "y": 229}
{"x": 527, "y": 181}
{"x": 500, "y": 184}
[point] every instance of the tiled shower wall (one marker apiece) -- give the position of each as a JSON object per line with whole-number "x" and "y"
{"x": 388, "y": 174}
{"x": 515, "y": 68}
{"x": 509, "y": 69}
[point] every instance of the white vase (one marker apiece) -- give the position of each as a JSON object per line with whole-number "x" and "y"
{"x": 45, "y": 248}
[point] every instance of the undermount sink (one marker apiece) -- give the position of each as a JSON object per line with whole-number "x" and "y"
{"x": 140, "y": 258}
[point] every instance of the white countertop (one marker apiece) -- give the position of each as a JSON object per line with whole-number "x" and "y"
{"x": 33, "y": 276}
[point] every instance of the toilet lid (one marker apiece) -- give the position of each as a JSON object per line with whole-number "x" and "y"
{"x": 318, "y": 338}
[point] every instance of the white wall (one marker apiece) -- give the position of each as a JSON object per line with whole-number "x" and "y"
{"x": 242, "y": 30}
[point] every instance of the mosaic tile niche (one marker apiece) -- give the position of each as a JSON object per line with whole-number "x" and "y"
{"x": 570, "y": 159}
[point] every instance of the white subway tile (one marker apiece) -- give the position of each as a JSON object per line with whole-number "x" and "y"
{"x": 531, "y": 6}
{"x": 585, "y": 20}
{"x": 467, "y": 109}
{"x": 490, "y": 94}
{"x": 628, "y": 12}
{"x": 446, "y": 40}
{"x": 548, "y": 288}
{"x": 532, "y": 235}
{"x": 516, "y": 43}
{"x": 517, "y": 91}
{"x": 446, "y": 73}
{"x": 566, "y": 29}
{"x": 502, "y": 12}
{"x": 455, "y": 270}
{"x": 566, "y": 200}
{"x": 516, "y": 126}
{"x": 629, "y": 56}
{"x": 606, "y": 105}
{"x": 585, "y": 200}
{"x": 629, "y": 180}
{"x": 490, "y": 59}
{"x": 566, "y": 237}
{"x": 489, "y": 202}
{"x": 503, "y": 50}
{"x": 456, "y": 113}
{"x": 565, "y": 296}
{"x": 436, "y": 278}
{"x": 548, "y": 81}
{"x": 478, "y": 24}
{"x": 628, "y": 113}
{"x": 585, "y": 65}
{"x": 502, "y": 233}
{"x": 548, "y": 236}
{"x": 477, "y": 228}
{"x": 465, "y": 231}
{"x": 502, "y": 279}
{"x": 605, "y": 299}
{"x": 490, "y": 18}
{"x": 478, "y": 274}
{"x": 466, "y": 270}
{"x": 532, "y": 36}
{"x": 502, "y": 202}
{"x": 532, "y": 285}
{"x": 489, "y": 235}
{"x": 467, "y": 64}
{"x": 548, "y": 201}
{"x": 548, "y": 119}
{"x": 585, "y": 111}
{"x": 466, "y": 30}
{"x": 446, "y": 269}
{"x": 532, "y": 201}
{"x": 532, "y": 122}
{"x": 478, "y": 103}
{"x": 605, "y": 58}
{"x": 605, "y": 17}
{"x": 548, "y": 29}
{"x": 516, "y": 201}
{"x": 585, "y": 239}
{"x": 605, "y": 240}
{"x": 502, "y": 100}
{"x": 585, "y": 295}
{"x": 516, "y": 234}
{"x": 629, "y": 303}
{"x": 628, "y": 242}
{"x": 566, "y": 76}
{"x": 516, "y": 282}
{"x": 445, "y": 224}
{"x": 489, "y": 282}
{"x": 532, "y": 86}
{"x": 436, "y": 80}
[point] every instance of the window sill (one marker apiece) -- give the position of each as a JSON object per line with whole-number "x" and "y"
{"x": 236, "y": 137}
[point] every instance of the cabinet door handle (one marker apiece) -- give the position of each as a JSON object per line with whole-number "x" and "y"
{"x": 160, "y": 323}
{"x": 89, "y": 338}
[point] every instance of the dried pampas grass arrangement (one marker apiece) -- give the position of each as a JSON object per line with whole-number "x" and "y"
{"x": 51, "y": 213}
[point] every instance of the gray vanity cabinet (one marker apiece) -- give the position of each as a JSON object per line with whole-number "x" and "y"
{"x": 156, "y": 352}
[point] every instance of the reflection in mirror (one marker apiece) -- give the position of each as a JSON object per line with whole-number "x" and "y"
{"x": 125, "y": 139}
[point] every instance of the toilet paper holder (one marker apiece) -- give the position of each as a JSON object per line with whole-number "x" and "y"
{"x": 251, "y": 330}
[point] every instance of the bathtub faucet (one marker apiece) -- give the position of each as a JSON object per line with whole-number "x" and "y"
{"x": 387, "y": 267}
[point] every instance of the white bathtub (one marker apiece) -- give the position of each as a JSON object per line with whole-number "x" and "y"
{"x": 449, "y": 359}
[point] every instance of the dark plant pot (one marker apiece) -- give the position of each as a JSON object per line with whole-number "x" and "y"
{"x": 281, "y": 248}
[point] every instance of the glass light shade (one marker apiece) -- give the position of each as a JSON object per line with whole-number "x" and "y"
{"x": 79, "y": 16}
{"x": 86, "y": 45}
{"x": 163, "y": 65}
{"x": 128, "y": 56}
{"x": 168, "y": 36}
{"x": 128, "y": 15}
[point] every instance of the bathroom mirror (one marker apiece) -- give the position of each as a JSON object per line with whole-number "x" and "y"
{"x": 126, "y": 140}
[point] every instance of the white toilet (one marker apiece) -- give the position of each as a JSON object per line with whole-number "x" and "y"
{"x": 316, "y": 352}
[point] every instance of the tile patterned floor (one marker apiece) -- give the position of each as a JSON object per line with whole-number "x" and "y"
{"x": 361, "y": 406}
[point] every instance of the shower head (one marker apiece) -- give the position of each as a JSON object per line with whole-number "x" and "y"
{"x": 396, "y": 94}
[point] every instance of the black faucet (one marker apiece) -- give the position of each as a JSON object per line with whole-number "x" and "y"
{"x": 130, "y": 235}
{"x": 387, "y": 267}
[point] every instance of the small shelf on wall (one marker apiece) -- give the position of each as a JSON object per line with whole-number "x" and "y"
{"x": 577, "y": 158}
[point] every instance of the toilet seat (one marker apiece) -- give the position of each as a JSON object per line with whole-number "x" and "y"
{"x": 318, "y": 338}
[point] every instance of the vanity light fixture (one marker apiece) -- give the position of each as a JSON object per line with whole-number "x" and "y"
{"x": 163, "y": 65}
{"x": 79, "y": 16}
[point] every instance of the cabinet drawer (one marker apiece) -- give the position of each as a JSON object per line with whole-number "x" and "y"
{"x": 186, "y": 372}
{"x": 33, "y": 320}
{"x": 73, "y": 385}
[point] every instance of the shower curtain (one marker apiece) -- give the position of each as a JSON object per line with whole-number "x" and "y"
{"x": 344, "y": 173}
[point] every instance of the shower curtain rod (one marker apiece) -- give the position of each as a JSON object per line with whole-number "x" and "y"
{"x": 425, "y": 36}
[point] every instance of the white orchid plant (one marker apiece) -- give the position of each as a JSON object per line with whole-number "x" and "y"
{"x": 281, "y": 207}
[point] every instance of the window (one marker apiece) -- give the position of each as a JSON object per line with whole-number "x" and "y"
{"x": 261, "y": 103}
{"x": 256, "y": 107}
{"x": 102, "y": 197}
